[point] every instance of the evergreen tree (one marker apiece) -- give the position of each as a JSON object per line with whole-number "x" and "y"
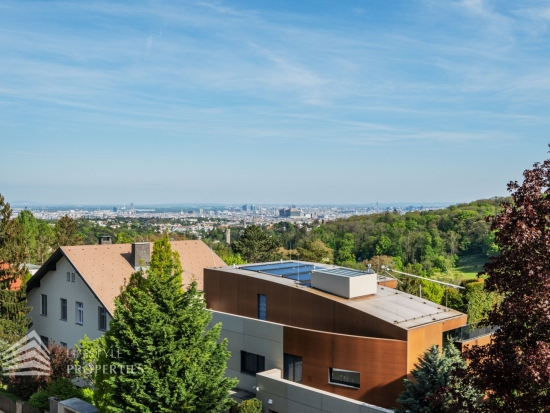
{"x": 66, "y": 232}
{"x": 44, "y": 241}
{"x": 28, "y": 234}
{"x": 13, "y": 306}
{"x": 166, "y": 360}
{"x": 438, "y": 387}
{"x": 256, "y": 245}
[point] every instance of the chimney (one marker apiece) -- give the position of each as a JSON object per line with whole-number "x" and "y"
{"x": 228, "y": 236}
{"x": 104, "y": 239}
{"x": 141, "y": 255}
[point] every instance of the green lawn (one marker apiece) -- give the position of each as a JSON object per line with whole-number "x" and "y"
{"x": 470, "y": 265}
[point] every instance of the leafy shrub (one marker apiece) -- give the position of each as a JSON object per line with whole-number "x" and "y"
{"x": 88, "y": 395}
{"x": 60, "y": 360}
{"x": 250, "y": 406}
{"x": 61, "y": 388}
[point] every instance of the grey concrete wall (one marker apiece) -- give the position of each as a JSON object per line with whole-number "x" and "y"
{"x": 254, "y": 336}
{"x": 283, "y": 396}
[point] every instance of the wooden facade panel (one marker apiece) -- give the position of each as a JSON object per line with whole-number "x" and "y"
{"x": 381, "y": 363}
{"x": 238, "y": 294}
{"x": 212, "y": 285}
{"x": 247, "y": 307}
{"x": 229, "y": 297}
{"x": 419, "y": 340}
{"x": 455, "y": 323}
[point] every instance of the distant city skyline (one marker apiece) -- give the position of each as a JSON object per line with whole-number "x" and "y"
{"x": 31, "y": 205}
{"x": 310, "y": 102}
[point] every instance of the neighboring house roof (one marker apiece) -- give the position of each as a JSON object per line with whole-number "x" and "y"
{"x": 106, "y": 267}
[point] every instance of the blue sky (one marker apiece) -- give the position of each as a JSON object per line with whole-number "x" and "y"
{"x": 274, "y": 102}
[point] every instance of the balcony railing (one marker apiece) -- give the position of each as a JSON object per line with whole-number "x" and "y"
{"x": 469, "y": 332}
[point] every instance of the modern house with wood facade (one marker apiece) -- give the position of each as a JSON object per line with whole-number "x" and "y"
{"x": 339, "y": 331}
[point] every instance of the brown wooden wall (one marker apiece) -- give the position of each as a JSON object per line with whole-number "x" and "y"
{"x": 237, "y": 294}
{"x": 382, "y": 363}
{"x": 420, "y": 339}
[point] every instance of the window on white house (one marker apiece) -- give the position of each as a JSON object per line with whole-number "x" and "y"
{"x": 101, "y": 318}
{"x": 79, "y": 313}
{"x": 63, "y": 345}
{"x": 73, "y": 277}
{"x": 68, "y": 276}
{"x": 44, "y": 309}
{"x": 63, "y": 309}
{"x": 45, "y": 340}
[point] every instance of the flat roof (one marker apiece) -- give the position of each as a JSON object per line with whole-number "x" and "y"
{"x": 396, "y": 307}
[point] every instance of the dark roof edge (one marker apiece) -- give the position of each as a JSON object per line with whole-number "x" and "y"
{"x": 48, "y": 266}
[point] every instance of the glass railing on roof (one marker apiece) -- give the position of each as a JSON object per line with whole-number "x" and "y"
{"x": 469, "y": 332}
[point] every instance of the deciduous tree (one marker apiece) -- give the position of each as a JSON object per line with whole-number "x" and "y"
{"x": 514, "y": 369}
{"x": 344, "y": 249}
{"x": 316, "y": 251}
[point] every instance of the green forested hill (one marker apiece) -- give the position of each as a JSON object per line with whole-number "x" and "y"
{"x": 433, "y": 239}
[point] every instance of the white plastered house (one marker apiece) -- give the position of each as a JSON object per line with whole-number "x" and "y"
{"x": 73, "y": 293}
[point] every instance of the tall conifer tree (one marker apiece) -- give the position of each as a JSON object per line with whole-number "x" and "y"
{"x": 13, "y": 306}
{"x": 168, "y": 360}
{"x": 437, "y": 387}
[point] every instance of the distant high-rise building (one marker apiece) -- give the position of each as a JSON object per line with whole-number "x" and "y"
{"x": 245, "y": 207}
{"x": 201, "y": 211}
{"x": 132, "y": 206}
{"x": 290, "y": 212}
{"x": 115, "y": 209}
